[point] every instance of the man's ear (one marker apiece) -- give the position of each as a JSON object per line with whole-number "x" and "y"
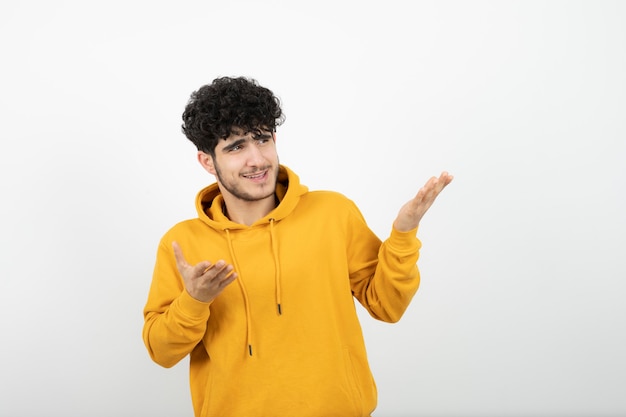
{"x": 207, "y": 162}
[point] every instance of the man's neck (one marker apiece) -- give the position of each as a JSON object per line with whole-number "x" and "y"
{"x": 247, "y": 212}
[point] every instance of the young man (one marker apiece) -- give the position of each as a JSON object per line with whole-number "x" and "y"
{"x": 259, "y": 289}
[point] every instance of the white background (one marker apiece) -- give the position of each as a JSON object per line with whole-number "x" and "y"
{"x": 521, "y": 310}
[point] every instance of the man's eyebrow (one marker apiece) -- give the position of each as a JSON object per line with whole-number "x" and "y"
{"x": 255, "y": 136}
{"x": 263, "y": 134}
{"x": 234, "y": 144}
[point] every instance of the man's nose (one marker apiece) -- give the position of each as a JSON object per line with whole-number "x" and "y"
{"x": 254, "y": 155}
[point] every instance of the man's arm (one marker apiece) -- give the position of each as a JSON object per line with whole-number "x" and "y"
{"x": 387, "y": 293}
{"x": 178, "y": 304}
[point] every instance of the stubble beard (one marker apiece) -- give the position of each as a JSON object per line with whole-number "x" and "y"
{"x": 237, "y": 192}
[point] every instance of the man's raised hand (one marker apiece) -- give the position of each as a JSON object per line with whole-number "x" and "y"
{"x": 412, "y": 212}
{"x": 203, "y": 281}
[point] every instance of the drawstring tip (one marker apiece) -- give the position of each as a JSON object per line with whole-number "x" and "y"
{"x": 250, "y": 349}
{"x": 280, "y": 311}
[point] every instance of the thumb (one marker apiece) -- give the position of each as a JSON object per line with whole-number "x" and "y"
{"x": 181, "y": 262}
{"x": 183, "y": 265}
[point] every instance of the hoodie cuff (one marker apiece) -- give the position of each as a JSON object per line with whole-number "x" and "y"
{"x": 191, "y": 307}
{"x": 404, "y": 241}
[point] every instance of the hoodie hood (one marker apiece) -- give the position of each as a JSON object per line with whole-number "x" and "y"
{"x": 209, "y": 202}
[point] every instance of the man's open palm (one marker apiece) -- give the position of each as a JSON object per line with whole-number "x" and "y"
{"x": 412, "y": 212}
{"x": 203, "y": 281}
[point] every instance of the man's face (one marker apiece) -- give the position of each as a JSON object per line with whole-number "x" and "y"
{"x": 246, "y": 165}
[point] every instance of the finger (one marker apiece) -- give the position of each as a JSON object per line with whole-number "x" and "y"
{"x": 216, "y": 271}
{"x": 429, "y": 192}
{"x": 446, "y": 178}
{"x": 181, "y": 262}
{"x": 221, "y": 275}
{"x": 183, "y": 265}
{"x": 441, "y": 183}
{"x": 426, "y": 191}
{"x": 228, "y": 279}
{"x": 201, "y": 268}
{"x": 428, "y": 195}
{"x": 216, "y": 268}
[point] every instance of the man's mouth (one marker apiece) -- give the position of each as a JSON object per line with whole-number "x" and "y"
{"x": 257, "y": 175}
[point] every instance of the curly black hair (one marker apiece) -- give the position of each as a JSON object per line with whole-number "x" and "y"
{"x": 216, "y": 109}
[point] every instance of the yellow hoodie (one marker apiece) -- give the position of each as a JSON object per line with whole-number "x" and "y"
{"x": 284, "y": 338}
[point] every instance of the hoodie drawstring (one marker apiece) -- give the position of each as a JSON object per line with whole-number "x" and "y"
{"x": 274, "y": 244}
{"x": 276, "y": 266}
{"x": 243, "y": 292}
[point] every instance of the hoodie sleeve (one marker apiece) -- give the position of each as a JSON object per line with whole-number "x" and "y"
{"x": 174, "y": 322}
{"x": 383, "y": 277}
